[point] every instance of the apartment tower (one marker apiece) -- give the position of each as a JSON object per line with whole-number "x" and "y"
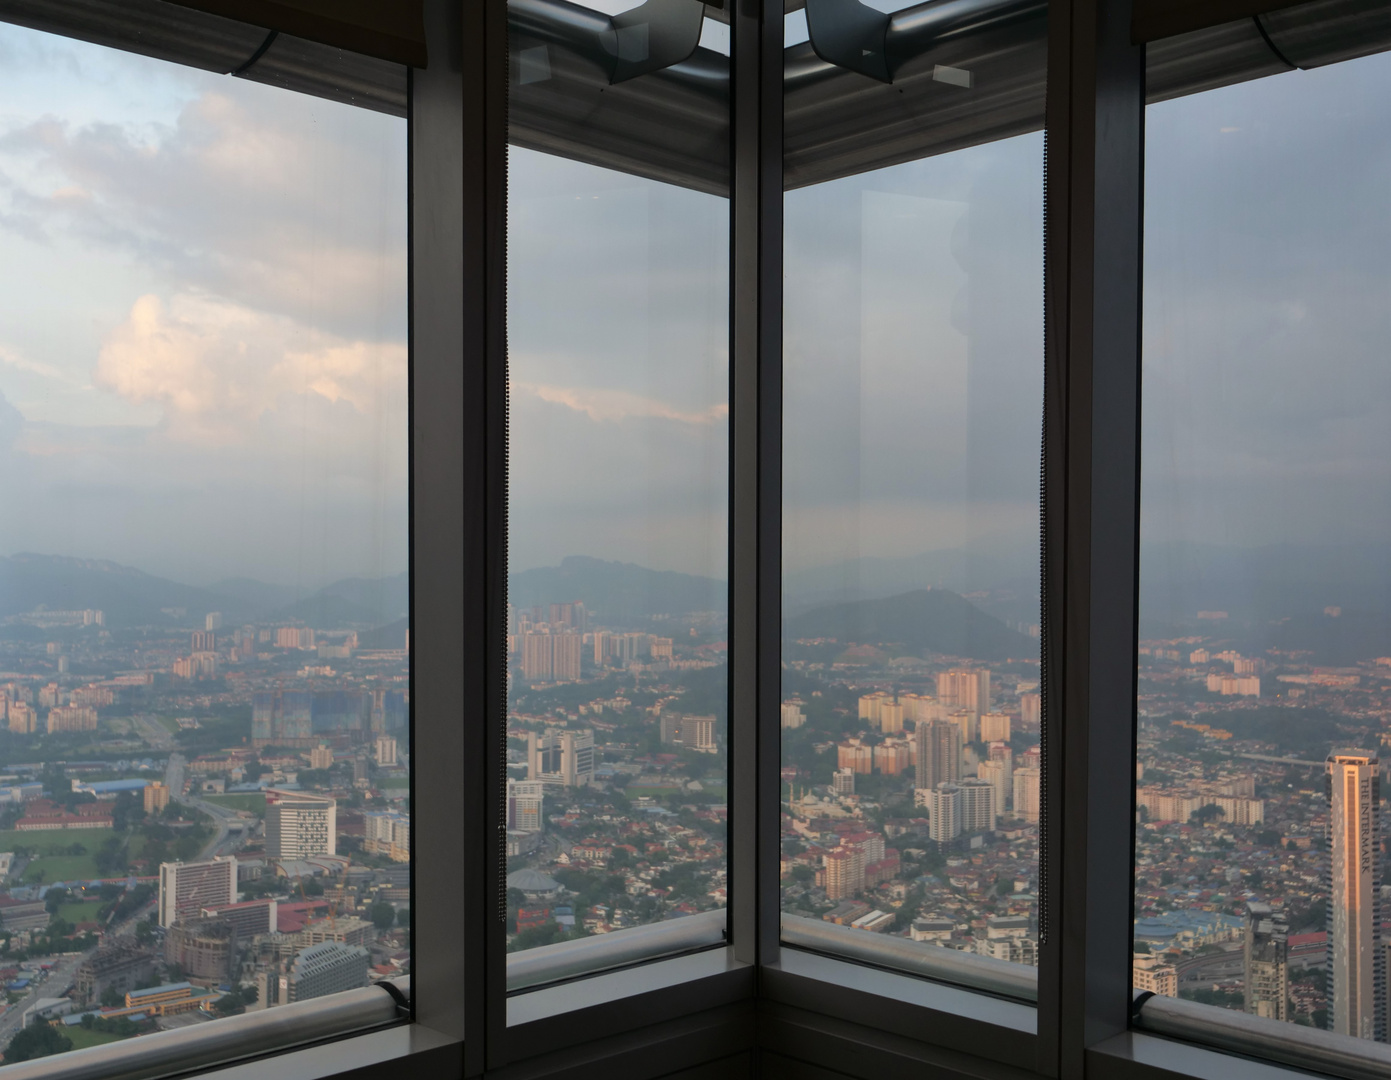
{"x": 1356, "y": 960}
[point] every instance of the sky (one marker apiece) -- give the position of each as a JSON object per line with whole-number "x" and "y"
{"x": 203, "y": 358}
{"x": 203, "y": 364}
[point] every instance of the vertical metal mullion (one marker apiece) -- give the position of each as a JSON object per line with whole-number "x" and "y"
{"x": 755, "y": 553}
{"x": 1091, "y": 491}
{"x": 450, "y": 545}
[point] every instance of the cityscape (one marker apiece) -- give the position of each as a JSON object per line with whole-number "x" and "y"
{"x": 203, "y": 811}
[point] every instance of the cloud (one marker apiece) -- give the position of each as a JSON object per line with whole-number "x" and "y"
{"x": 215, "y": 366}
{"x": 10, "y": 358}
{"x": 611, "y": 406}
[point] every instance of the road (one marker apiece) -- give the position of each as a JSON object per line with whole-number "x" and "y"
{"x": 56, "y": 983}
{"x": 154, "y": 733}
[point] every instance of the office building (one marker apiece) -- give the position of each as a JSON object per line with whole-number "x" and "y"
{"x": 186, "y": 888}
{"x": 298, "y": 826}
{"x": 1265, "y": 962}
{"x": 1356, "y": 959}
{"x": 329, "y": 967}
{"x": 561, "y": 757}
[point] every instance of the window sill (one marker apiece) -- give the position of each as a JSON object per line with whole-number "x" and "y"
{"x": 590, "y": 1008}
{"x": 1136, "y": 1055}
{"x": 389, "y": 1052}
{"x": 930, "y": 1012}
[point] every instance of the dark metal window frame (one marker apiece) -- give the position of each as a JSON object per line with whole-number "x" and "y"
{"x": 816, "y": 1016}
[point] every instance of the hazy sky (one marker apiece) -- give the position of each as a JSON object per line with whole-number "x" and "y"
{"x": 202, "y": 349}
{"x": 1267, "y": 337}
{"x": 203, "y": 341}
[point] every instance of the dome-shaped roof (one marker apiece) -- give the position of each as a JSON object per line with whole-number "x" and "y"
{"x": 532, "y": 881}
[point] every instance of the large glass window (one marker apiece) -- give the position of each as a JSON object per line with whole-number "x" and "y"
{"x": 913, "y": 384}
{"x": 618, "y": 222}
{"x": 204, "y": 665}
{"x": 1264, "y": 618}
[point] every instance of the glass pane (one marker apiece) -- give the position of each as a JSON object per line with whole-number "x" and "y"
{"x": 913, "y": 389}
{"x": 1264, "y": 620}
{"x": 203, "y": 593}
{"x": 617, "y": 493}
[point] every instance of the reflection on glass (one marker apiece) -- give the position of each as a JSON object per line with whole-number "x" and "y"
{"x": 912, "y": 394}
{"x": 617, "y": 503}
{"x": 1265, "y": 624}
{"x": 204, "y": 702}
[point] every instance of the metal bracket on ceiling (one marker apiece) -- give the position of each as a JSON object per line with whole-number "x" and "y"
{"x": 654, "y": 36}
{"x": 850, "y": 35}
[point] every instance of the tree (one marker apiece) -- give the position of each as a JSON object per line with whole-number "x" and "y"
{"x": 54, "y": 899}
{"x": 383, "y": 915}
{"x": 111, "y": 997}
{"x": 403, "y": 917}
{"x": 36, "y": 1041}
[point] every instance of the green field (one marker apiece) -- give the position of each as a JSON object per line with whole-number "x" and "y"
{"x": 82, "y": 1038}
{"x": 45, "y": 845}
{"x": 250, "y": 801}
{"x": 80, "y": 911}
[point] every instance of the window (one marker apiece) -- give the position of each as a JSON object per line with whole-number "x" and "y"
{"x": 913, "y": 371}
{"x": 618, "y": 382}
{"x": 203, "y": 363}
{"x": 1259, "y": 856}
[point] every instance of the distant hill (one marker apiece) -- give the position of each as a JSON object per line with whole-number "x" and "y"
{"x": 127, "y": 596}
{"x": 616, "y": 593}
{"x": 925, "y": 619}
{"x": 391, "y": 636}
{"x": 352, "y": 602}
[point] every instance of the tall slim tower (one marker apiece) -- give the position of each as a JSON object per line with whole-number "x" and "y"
{"x": 937, "y": 753}
{"x": 1356, "y": 960}
{"x": 1266, "y": 957}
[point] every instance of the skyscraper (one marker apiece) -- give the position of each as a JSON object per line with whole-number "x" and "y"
{"x": 187, "y": 888}
{"x": 1266, "y": 962}
{"x": 1356, "y": 979}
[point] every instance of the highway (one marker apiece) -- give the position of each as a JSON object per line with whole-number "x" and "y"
{"x": 54, "y": 985}
{"x": 225, "y": 842}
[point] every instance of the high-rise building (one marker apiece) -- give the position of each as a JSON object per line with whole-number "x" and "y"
{"x": 890, "y": 718}
{"x": 551, "y": 656}
{"x": 870, "y": 705}
{"x": 1026, "y": 793}
{"x": 944, "y": 813}
{"x": 965, "y": 688}
{"x": 1030, "y": 709}
{"x": 564, "y": 757}
{"x": 327, "y": 968}
{"x": 978, "y": 809}
{"x": 387, "y": 833}
{"x": 203, "y": 641}
{"x": 212, "y": 621}
{"x": 692, "y": 732}
{"x": 892, "y": 756}
{"x": 321, "y": 757}
{"x": 994, "y": 727}
{"x": 23, "y": 718}
{"x": 855, "y": 755}
{"x": 156, "y": 797}
{"x": 845, "y": 872}
{"x": 792, "y": 715}
{"x": 526, "y": 801}
{"x": 1266, "y": 962}
{"x": 843, "y": 782}
{"x": 937, "y": 752}
{"x": 386, "y": 751}
{"x": 996, "y": 774}
{"x": 298, "y": 825}
{"x": 186, "y": 888}
{"x": 1356, "y": 959}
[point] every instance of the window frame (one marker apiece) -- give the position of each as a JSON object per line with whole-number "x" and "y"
{"x": 1093, "y": 225}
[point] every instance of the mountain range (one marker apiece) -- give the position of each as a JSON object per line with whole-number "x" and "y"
{"x": 935, "y": 620}
{"x": 614, "y": 593}
{"x": 131, "y": 597}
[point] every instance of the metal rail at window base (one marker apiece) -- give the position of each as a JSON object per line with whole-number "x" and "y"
{"x": 964, "y": 72}
{"x": 1018, "y": 981}
{"x": 1253, "y": 1036}
{"x": 226, "y": 1041}
{"x": 588, "y": 956}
